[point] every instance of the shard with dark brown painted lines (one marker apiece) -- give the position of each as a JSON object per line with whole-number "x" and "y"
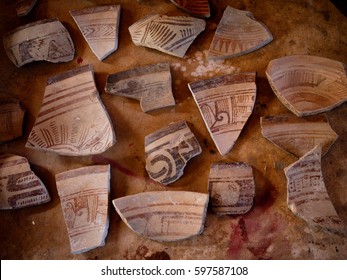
{"x": 196, "y": 8}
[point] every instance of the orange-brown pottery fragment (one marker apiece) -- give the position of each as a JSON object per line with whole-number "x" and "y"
{"x": 24, "y": 7}
{"x": 196, "y": 8}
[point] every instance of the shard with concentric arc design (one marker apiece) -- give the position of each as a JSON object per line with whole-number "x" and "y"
{"x": 307, "y": 84}
{"x": 100, "y": 27}
{"x": 225, "y": 103}
{"x": 164, "y": 215}
{"x": 72, "y": 119}
{"x": 168, "y": 34}
{"x": 196, "y": 8}
{"x": 238, "y": 33}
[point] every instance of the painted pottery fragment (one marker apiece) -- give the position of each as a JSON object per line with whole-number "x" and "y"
{"x": 171, "y": 35}
{"x": 11, "y": 118}
{"x": 41, "y": 40}
{"x": 24, "y": 7}
{"x": 100, "y": 27}
{"x": 225, "y": 103}
{"x": 307, "y": 196}
{"x": 307, "y": 84}
{"x": 298, "y": 135}
{"x": 196, "y": 8}
{"x": 151, "y": 85}
{"x": 72, "y": 120}
{"x": 84, "y": 198}
{"x": 19, "y": 186}
{"x": 231, "y": 188}
{"x": 168, "y": 150}
{"x": 238, "y": 33}
{"x": 164, "y": 215}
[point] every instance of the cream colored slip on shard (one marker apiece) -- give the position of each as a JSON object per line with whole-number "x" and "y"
{"x": 168, "y": 34}
{"x": 46, "y": 40}
{"x": 238, "y": 33}
{"x": 298, "y": 135}
{"x": 196, "y": 8}
{"x": 231, "y": 188}
{"x": 72, "y": 119}
{"x": 100, "y": 27}
{"x": 225, "y": 103}
{"x": 84, "y": 198}
{"x": 307, "y": 196}
{"x": 168, "y": 150}
{"x": 19, "y": 186}
{"x": 164, "y": 215}
{"x": 308, "y": 84}
{"x": 24, "y": 7}
{"x": 150, "y": 84}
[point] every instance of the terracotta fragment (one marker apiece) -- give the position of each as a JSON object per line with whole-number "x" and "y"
{"x": 307, "y": 84}
{"x": 196, "y": 8}
{"x": 41, "y": 40}
{"x": 19, "y": 186}
{"x": 24, "y": 7}
{"x": 238, "y": 33}
{"x": 168, "y": 150}
{"x": 171, "y": 35}
{"x": 72, "y": 120}
{"x": 225, "y": 103}
{"x": 164, "y": 215}
{"x": 231, "y": 188}
{"x": 298, "y": 135}
{"x": 100, "y": 27}
{"x": 84, "y": 197}
{"x": 151, "y": 85}
{"x": 307, "y": 196}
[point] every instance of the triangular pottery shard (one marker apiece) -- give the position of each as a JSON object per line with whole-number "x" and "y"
{"x": 308, "y": 84}
{"x": 84, "y": 198}
{"x": 72, "y": 120}
{"x": 171, "y": 35}
{"x": 225, "y": 103}
{"x": 238, "y": 33}
{"x": 150, "y": 84}
{"x": 24, "y": 7}
{"x": 231, "y": 188}
{"x": 196, "y": 8}
{"x": 19, "y": 186}
{"x": 41, "y": 40}
{"x": 100, "y": 27}
{"x": 168, "y": 150}
{"x": 298, "y": 135}
{"x": 165, "y": 215}
{"x": 307, "y": 196}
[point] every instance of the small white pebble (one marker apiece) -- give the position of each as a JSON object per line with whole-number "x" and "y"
{"x": 33, "y": 222}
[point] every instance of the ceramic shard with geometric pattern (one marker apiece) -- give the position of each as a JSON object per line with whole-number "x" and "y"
{"x": 169, "y": 34}
{"x": 45, "y": 39}
{"x": 24, "y": 7}
{"x": 19, "y": 186}
{"x": 307, "y": 84}
{"x": 196, "y": 8}
{"x": 72, "y": 119}
{"x": 100, "y": 27}
{"x": 164, "y": 215}
{"x": 238, "y": 33}
{"x": 84, "y": 197}
{"x": 150, "y": 84}
{"x": 225, "y": 103}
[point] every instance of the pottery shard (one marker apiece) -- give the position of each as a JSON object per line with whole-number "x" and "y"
{"x": 164, "y": 215}
{"x": 298, "y": 135}
{"x": 225, "y": 103}
{"x": 231, "y": 188}
{"x": 168, "y": 150}
{"x": 72, "y": 119}
{"x": 196, "y": 8}
{"x": 19, "y": 186}
{"x": 24, "y": 7}
{"x": 11, "y": 118}
{"x": 308, "y": 85}
{"x": 238, "y": 33}
{"x": 307, "y": 196}
{"x": 41, "y": 40}
{"x": 100, "y": 27}
{"x": 150, "y": 84}
{"x": 84, "y": 198}
{"x": 171, "y": 35}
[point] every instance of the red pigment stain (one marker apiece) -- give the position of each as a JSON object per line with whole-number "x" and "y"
{"x": 235, "y": 242}
{"x": 79, "y": 60}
